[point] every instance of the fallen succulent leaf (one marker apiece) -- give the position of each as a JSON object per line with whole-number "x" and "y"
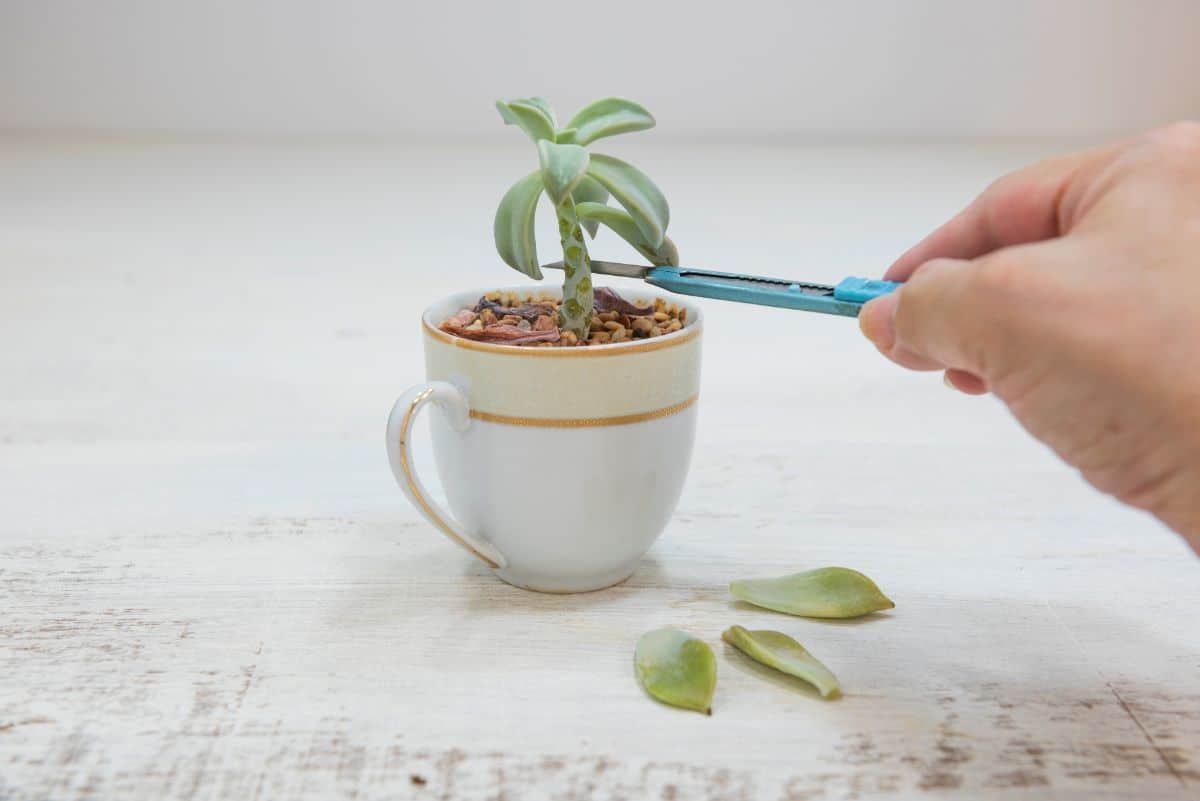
{"x": 528, "y": 311}
{"x": 607, "y": 300}
{"x": 677, "y": 669}
{"x": 777, "y": 650}
{"x": 829, "y": 592}
{"x": 500, "y": 332}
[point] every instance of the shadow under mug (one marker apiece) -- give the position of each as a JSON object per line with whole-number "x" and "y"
{"x": 561, "y": 466}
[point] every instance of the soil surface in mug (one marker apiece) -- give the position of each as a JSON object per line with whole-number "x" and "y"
{"x": 509, "y": 318}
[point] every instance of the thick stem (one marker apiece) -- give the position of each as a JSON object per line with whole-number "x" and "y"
{"x": 576, "y": 312}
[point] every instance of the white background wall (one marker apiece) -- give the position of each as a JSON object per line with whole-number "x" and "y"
{"x": 812, "y": 67}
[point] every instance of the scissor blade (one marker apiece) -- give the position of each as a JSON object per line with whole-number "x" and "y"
{"x": 610, "y": 268}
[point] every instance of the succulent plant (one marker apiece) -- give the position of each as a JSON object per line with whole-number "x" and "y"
{"x": 579, "y": 184}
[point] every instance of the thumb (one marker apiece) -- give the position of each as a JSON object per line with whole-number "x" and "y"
{"x": 939, "y": 319}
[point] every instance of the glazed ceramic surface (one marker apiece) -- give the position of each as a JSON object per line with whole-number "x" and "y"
{"x": 561, "y": 466}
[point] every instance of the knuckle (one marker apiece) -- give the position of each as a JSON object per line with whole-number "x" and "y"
{"x": 921, "y": 289}
{"x": 1000, "y": 277}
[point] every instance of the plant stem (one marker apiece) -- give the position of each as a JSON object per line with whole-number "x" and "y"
{"x": 576, "y": 311}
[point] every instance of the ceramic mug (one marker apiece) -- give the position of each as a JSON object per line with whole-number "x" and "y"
{"x": 561, "y": 466}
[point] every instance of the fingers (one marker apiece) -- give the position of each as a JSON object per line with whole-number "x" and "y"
{"x": 949, "y": 315}
{"x": 1022, "y": 207}
{"x": 967, "y": 383}
{"x": 877, "y": 321}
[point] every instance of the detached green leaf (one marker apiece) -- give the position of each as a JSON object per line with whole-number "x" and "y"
{"x": 622, "y": 225}
{"x": 777, "y": 650}
{"x": 636, "y": 192}
{"x": 563, "y": 167}
{"x": 532, "y": 115}
{"x": 609, "y": 117}
{"x": 513, "y": 228}
{"x": 590, "y": 191}
{"x": 831, "y": 592}
{"x": 677, "y": 669}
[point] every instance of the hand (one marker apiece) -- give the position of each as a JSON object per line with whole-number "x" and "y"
{"x": 1071, "y": 291}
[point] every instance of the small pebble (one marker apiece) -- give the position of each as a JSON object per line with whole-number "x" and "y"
{"x": 605, "y": 327}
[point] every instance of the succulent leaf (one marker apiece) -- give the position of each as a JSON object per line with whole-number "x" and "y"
{"x": 513, "y": 228}
{"x": 590, "y": 191}
{"x": 609, "y": 117}
{"x": 831, "y": 592}
{"x": 777, "y": 650}
{"x": 563, "y": 167}
{"x": 622, "y": 224}
{"x": 540, "y": 103}
{"x": 533, "y": 117}
{"x": 677, "y": 669}
{"x": 636, "y": 192}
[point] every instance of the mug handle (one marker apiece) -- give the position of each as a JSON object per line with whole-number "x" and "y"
{"x": 453, "y": 403}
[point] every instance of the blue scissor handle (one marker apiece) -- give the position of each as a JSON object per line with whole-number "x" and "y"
{"x": 845, "y": 299}
{"x": 860, "y": 290}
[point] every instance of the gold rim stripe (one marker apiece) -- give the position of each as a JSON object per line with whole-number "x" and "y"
{"x": 584, "y": 422}
{"x": 412, "y": 486}
{"x": 619, "y": 349}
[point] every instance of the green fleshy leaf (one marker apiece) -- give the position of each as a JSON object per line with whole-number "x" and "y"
{"x": 513, "y": 228}
{"x": 591, "y": 192}
{"x": 541, "y": 104}
{"x": 532, "y": 118}
{"x": 566, "y": 137}
{"x": 636, "y": 192}
{"x": 609, "y": 117}
{"x": 777, "y": 650}
{"x": 622, "y": 225}
{"x": 677, "y": 669}
{"x": 831, "y": 592}
{"x": 563, "y": 167}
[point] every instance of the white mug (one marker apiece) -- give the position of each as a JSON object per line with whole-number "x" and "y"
{"x": 561, "y": 466}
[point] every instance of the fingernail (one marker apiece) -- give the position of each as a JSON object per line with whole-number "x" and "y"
{"x": 877, "y": 320}
{"x": 946, "y": 380}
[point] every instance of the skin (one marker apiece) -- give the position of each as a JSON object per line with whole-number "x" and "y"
{"x": 1070, "y": 290}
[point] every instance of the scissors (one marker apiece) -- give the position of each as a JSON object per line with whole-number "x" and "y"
{"x": 845, "y": 298}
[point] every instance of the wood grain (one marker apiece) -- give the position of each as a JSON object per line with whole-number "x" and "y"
{"x": 210, "y": 589}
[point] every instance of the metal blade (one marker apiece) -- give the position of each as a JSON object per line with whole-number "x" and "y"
{"x": 610, "y": 268}
{"x": 760, "y": 283}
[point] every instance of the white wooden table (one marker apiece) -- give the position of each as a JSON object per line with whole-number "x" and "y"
{"x": 210, "y": 588}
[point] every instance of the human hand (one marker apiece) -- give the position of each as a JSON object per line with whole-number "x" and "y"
{"x": 1071, "y": 291}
